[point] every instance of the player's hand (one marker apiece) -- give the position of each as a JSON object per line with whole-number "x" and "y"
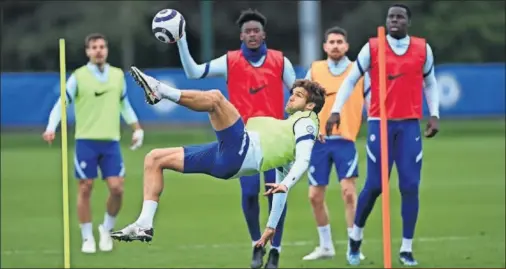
{"x": 432, "y": 127}
{"x": 266, "y": 236}
{"x": 275, "y": 188}
{"x": 334, "y": 119}
{"x": 48, "y": 136}
{"x": 137, "y": 139}
{"x": 321, "y": 138}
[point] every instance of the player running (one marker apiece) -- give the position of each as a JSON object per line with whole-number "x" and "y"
{"x": 409, "y": 64}
{"x": 265, "y": 143}
{"x": 339, "y": 148}
{"x": 98, "y": 91}
{"x": 255, "y": 78}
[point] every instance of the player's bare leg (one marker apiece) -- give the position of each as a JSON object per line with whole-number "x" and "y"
{"x": 349, "y": 195}
{"x": 85, "y": 187}
{"x": 320, "y": 212}
{"x": 222, "y": 115}
{"x": 154, "y": 163}
{"x": 115, "y": 185}
{"x": 221, "y": 112}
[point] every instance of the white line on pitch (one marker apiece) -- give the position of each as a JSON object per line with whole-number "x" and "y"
{"x": 309, "y": 243}
{"x": 239, "y": 245}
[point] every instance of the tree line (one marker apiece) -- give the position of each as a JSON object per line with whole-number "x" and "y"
{"x": 458, "y": 31}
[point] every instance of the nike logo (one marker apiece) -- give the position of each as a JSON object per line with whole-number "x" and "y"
{"x": 417, "y": 138}
{"x": 97, "y": 94}
{"x": 256, "y": 90}
{"x": 392, "y": 77}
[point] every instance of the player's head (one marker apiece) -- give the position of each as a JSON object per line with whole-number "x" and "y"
{"x": 252, "y": 25}
{"x": 398, "y": 20}
{"x": 335, "y": 43}
{"x": 96, "y": 48}
{"x": 305, "y": 95}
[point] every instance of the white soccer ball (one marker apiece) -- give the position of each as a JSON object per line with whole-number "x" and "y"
{"x": 168, "y": 26}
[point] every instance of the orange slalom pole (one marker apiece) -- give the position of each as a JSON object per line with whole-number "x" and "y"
{"x": 387, "y": 257}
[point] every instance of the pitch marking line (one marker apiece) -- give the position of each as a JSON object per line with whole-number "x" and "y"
{"x": 238, "y": 245}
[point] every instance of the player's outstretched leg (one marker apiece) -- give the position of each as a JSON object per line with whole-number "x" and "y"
{"x": 154, "y": 163}
{"x": 221, "y": 112}
{"x": 318, "y": 175}
{"x": 408, "y": 159}
{"x": 250, "y": 188}
{"x": 371, "y": 190}
{"x": 84, "y": 215}
{"x": 85, "y": 153}
{"x": 221, "y": 159}
{"x": 345, "y": 158}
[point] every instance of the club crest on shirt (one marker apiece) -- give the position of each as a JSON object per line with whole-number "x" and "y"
{"x": 310, "y": 129}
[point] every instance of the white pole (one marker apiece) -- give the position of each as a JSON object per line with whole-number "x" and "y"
{"x": 310, "y": 36}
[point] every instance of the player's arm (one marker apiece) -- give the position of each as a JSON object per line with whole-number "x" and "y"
{"x": 431, "y": 94}
{"x": 359, "y": 68}
{"x": 288, "y": 73}
{"x": 128, "y": 114}
{"x": 214, "y": 68}
{"x": 431, "y": 88}
{"x": 55, "y": 115}
{"x": 305, "y": 133}
{"x": 367, "y": 90}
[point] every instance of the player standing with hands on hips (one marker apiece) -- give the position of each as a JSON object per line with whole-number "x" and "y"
{"x": 255, "y": 77}
{"x": 409, "y": 65}
{"x": 98, "y": 91}
{"x": 338, "y": 148}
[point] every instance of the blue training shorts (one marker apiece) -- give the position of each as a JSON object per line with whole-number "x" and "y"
{"x": 404, "y": 148}
{"x": 91, "y": 154}
{"x": 340, "y": 152}
{"x": 222, "y": 158}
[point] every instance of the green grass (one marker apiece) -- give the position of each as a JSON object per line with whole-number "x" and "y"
{"x": 200, "y": 222}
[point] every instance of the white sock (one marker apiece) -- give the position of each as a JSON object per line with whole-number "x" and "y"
{"x": 406, "y": 245}
{"x": 87, "y": 230}
{"x": 147, "y": 215}
{"x": 169, "y": 92}
{"x": 277, "y": 248}
{"x": 109, "y": 222}
{"x": 325, "y": 236}
{"x": 357, "y": 233}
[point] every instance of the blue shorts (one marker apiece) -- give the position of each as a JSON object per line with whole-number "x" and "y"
{"x": 340, "y": 152}
{"x": 91, "y": 154}
{"x": 222, "y": 158}
{"x": 404, "y": 148}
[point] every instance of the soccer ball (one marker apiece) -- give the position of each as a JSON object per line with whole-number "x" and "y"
{"x": 168, "y": 26}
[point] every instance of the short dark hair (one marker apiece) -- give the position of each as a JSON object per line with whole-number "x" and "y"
{"x": 335, "y": 30}
{"x": 408, "y": 11}
{"x": 316, "y": 93}
{"x": 251, "y": 15}
{"x": 93, "y": 37}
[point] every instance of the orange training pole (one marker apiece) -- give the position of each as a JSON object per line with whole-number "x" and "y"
{"x": 387, "y": 257}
